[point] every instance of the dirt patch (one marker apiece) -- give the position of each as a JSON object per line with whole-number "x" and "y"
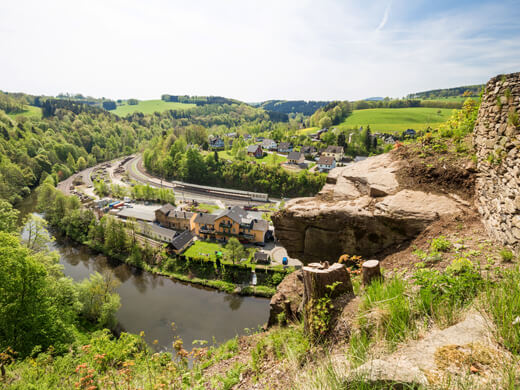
{"x": 441, "y": 173}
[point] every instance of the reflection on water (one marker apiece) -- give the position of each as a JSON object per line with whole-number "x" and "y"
{"x": 151, "y": 303}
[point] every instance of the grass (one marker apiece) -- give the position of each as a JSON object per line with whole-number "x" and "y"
{"x": 149, "y": 107}
{"x": 30, "y": 111}
{"x": 269, "y": 158}
{"x": 201, "y": 248}
{"x": 396, "y": 119}
{"x": 307, "y": 131}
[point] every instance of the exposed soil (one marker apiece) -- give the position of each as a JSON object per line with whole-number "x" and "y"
{"x": 439, "y": 173}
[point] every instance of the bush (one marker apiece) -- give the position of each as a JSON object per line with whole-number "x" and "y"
{"x": 506, "y": 255}
{"x": 443, "y": 294}
{"x": 440, "y": 244}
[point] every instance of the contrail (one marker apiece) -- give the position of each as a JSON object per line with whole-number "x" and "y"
{"x": 385, "y": 17}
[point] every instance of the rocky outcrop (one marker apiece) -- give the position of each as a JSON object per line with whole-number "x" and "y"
{"x": 497, "y": 143}
{"x": 288, "y": 297}
{"x": 461, "y": 352}
{"x": 361, "y": 210}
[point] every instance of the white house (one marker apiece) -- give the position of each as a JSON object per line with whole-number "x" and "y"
{"x": 334, "y": 151}
{"x": 269, "y": 144}
{"x": 326, "y": 163}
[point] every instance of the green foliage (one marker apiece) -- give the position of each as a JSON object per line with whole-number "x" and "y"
{"x": 442, "y": 295}
{"x": 502, "y": 301}
{"x": 387, "y": 311}
{"x": 235, "y": 249}
{"x": 440, "y": 244}
{"x": 8, "y": 217}
{"x": 100, "y": 302}
{"x": 506, "y": 255}
{"x": 36, "y": 308}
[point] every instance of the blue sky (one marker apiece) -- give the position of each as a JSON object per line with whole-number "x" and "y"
{"x": 254, "y": 50}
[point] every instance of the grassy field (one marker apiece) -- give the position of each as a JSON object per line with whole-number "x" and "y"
{"x": 269, "y": 159}
{"x": 203, "y": 248}
{"x": 396, "y": 119}
{"x": 30, "y": 111}
{"x": 307, "y": 131}
{"x": 149, "y": 107}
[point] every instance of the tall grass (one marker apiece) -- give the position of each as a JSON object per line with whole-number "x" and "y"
{"x": 502, "y": 301}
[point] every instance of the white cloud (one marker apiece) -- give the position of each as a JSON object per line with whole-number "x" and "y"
{"x": 248, "y": 50}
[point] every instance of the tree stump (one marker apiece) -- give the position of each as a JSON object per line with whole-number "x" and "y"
{"x": 371, "y": 271}
{"x": 316, "y": 278}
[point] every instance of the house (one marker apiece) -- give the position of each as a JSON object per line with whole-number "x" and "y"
{"x": 232, "y": 222}
{"x": 326, "y": 163}
{"x": 181, "y": 241}
{"x": 285, "y": 147}
{"x": 269, "y": 144}
{"x": 169, "y": 217}
{"x": 334, "y": 151}
{"x": 308, "y": 151}
{"x": 216, "y": 143}
{"x": 296, "y": 158}
{"x": 262, "y": 257}
{"x": 156, "y": 232}
{"x": 232, "y": 135}
{"x": 247, "y": 137}
{"x": 255, "y": 151}
{"x": 259, "y": 139}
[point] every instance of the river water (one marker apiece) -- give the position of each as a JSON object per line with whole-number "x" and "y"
{"x": 150, "y": 303}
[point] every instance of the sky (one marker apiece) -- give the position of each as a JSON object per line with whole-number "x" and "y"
{"x": 254, "y": 50}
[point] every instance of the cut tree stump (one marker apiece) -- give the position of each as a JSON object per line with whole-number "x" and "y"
{"x": 371, "y": 271}
{"x": 316, "y": 278}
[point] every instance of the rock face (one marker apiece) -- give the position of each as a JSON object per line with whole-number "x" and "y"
{"x": 290, "y": 290}
{"x": 497, "y": 142}
{"x": 361, "y": 210}
{"x": 462, "y": 350}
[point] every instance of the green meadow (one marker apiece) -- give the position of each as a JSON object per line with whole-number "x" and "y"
{"x": 396, "y": 119}
{"x": 29, "y": 111}
{"x": 149, "y": 107}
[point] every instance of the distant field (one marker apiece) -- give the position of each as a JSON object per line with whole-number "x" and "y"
{"x": 396, "y": 119}
{"x": 307, "y": 131}
{"x": 269, "y": 158}
{"x": 30, "y": 111}
{"x": 149, "y": 107}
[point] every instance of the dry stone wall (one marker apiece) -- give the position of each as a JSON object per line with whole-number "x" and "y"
{"x": 497, "y": 143}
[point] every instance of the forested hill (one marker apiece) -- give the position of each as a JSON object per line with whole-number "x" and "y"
{"x": 464, "y": 91}
{"x": 292, "y": 106}
{"x": 69, "y": 136}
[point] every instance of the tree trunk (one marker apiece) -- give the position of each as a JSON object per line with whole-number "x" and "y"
{"x": 316, "y": 278}
{"x": 371, "y": 271}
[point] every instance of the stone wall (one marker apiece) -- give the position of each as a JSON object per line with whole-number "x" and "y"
{"x": 497, "y": 143}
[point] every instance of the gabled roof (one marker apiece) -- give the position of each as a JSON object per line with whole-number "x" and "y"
{"x": 268, "y": 142}
{"x": 260, "y": 224}
{"x": 235, "y": 213}
{"x": 261, "y": 256}
{"x": 295, "y": 155}
{"x": 284, "y": 145}
{"x": 158, "y": 230}
{"x": 180, "y": 214}
{"x": 253, "y": 148}
{"x": 334, "y": 149}
{"x": 182, "y": 239}
{"x": 166, "y": 208}
{"x": 205, "y": 218}
{"x": 326, "y": 160}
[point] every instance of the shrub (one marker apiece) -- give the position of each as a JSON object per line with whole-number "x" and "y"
{"x": 440, "y": 244}
{"x": 442, "y": 294}
{"x": 506, "y": 255}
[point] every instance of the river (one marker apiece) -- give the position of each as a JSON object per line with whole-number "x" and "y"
{"x": 150, "y": 303}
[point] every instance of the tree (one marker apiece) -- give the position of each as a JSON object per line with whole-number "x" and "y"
{"x": 81, "y": 164}
{"x": 99, "y": 299}
{"x": 35, "y": 235}
{"x": 341, "y": 139}
{"x": 109, "y": 105}
{"x": 368, "y": 139}
{"x": 325, "y": 122}
{"x": 35, "y": 309}
{"x": 8, "y": 217}
{"x": 215, "y": 155}
{"x": 235, "y": 248}
{"x": 132, "y": 102}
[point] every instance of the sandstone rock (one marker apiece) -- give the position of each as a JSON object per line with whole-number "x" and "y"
{"x": 290, "y": 289}
{"x": 363, "y": 213}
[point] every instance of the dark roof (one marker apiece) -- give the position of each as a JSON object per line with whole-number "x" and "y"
{"x": 205, "y": 218}
{"x": 294, "y": 155}
{"x": 253, "y": 148}
{"x": 182, "y": 239}
{"x": 326, "y": 160}
{"x": 334, "y": 149}
{"x": 166, "y": 208}
{"x": 284, "y": 145}
{"x": 308, "y": 149}
{"x": 235, "y": 213}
